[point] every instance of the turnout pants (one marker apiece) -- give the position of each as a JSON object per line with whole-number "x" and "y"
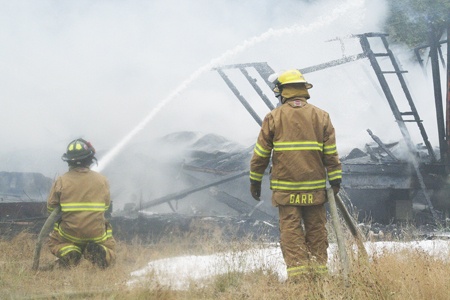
{"x": 304, "y": 249}
{"x": 62, "y": 247}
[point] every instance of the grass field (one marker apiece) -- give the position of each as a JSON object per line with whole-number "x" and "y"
{"x": 407, "y": 274}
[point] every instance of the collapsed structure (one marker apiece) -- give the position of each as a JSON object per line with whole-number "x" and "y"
{"x": 382, "y": 186}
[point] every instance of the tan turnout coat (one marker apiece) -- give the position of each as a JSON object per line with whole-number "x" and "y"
{"x": 84, "y": 197}
{"x": 301, "y": 140}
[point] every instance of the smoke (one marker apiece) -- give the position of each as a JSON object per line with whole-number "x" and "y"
{"x": 122, "y": 74}
{"x": 95, "y": 69}
{"x": 325, "y": 20}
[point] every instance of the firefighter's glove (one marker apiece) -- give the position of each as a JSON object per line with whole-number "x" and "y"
{"x": 336, "y": 189}
{"x": 255, "y": 190}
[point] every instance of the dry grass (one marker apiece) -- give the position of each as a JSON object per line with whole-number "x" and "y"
{"x": 402, "y": 275}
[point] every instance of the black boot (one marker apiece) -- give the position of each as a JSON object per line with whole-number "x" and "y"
{"x": 70, "y": 260}
{"x": 96, "y": 254}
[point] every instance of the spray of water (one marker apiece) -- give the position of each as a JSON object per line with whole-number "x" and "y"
{"x": 321, "y": 22}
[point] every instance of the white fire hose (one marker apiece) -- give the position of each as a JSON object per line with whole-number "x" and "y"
{"x": 335, "y": 202}
{"x": 48, "y": 225}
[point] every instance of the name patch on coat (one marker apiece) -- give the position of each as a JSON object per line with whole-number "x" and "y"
{"x": 315, "y": 197}
{"x": 304, "y": 199}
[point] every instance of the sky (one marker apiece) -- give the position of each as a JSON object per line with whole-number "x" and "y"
{"x": 124, "y": 72}
{"x": 179, "y": 272}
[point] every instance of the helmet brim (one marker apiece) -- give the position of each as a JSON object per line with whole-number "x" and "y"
{"x": 308, "y": 86}
{"x": 65, "y": 157}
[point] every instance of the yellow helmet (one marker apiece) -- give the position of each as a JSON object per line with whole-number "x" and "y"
{"x": 290, "y": 76}
{"x": 78, "y": 150}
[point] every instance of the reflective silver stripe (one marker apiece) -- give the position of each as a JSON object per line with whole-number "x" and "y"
{"x": 83, "y": 206}
{"x": 297, "y": 186}
{"x": 256, "y": 176}
{"x": 335, "y": 175}
{"x": 330, "y": 149}
{"x": 318, "y": 269}
{"x": 297, "y": 271}
{"x": 296, "y": 146}
{"x": 73, "y": 239}
{"x": 259, "y": 150}
{"x": 64, "y": 250}
{"x": 321, "y": 269}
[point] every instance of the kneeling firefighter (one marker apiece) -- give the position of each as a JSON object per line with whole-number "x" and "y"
{"x": 84, "y": 197}
{"x": 300, "y": 139}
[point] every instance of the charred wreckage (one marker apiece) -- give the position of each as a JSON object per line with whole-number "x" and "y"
{"x": 378, "y": 185}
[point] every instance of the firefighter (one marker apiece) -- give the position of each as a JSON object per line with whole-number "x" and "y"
{"x": 84, "y": 197}
{"x": 300, "y": 139}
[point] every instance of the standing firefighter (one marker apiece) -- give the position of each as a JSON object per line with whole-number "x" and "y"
{"x": 301, "y": 140}
{"x": 84, "y": 198}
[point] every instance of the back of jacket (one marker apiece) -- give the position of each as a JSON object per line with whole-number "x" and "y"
{"x": 84, "y": 197}
{"x": 301, "y": 140}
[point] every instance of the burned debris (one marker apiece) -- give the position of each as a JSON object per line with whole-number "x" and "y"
{"x": 386, "y": 183}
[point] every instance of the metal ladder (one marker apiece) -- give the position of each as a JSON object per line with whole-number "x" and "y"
{"x": 400, "y": 117}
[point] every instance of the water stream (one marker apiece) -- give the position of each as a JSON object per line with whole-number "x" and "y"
{"x": 321, "y": 22}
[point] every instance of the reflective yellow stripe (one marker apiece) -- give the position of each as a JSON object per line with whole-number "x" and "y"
{"x": 304, "y": 145}
{"x": 318, "y": 269}
{"x": 297, "y": 271}
{"x": 256, "y": 176}
{"x": 295, "y": 146}
{"x": 261, "y": 151}
{"x": 82, "y": 240}
{"x": 83, "y": 206}
{"x": 335, "y": 175}
{"x": 105, "y": 236}
{"x": 66, "y": 249}
{"x": 297, "y": 186}
{"x": 321, "y": 269}
{"x": 330, "y": 149}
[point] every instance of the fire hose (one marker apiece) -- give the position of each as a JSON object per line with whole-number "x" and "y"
{"x": 335, "y": 201}
{"x": 48, "y": 225}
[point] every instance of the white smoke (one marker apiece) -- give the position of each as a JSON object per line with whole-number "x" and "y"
{"x": 323, "y": 21}
{"x": 121, "y": 74}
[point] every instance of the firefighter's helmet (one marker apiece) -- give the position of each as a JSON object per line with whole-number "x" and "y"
{"x": 289, "y": 77}
{"x": 78, "y": 150}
